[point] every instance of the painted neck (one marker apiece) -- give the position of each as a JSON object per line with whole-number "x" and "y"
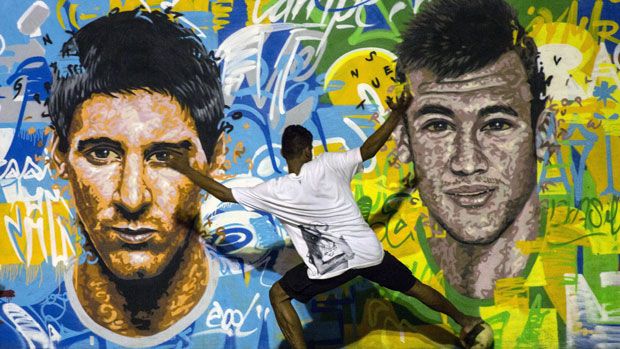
{"x": 106, "y": 302}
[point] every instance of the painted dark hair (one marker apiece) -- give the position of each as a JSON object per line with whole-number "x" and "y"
{"x": 455, "y": 37}
{"x": 139, "y": 50}
{"x": 295, "y": 140}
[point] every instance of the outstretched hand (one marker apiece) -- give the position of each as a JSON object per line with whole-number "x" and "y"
{"x": 401, "y": 104}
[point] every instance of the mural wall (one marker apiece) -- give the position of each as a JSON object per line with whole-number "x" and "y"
{"x": 328, "y": 65}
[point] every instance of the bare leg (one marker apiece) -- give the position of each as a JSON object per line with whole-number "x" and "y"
{"x": 287, "y": 317}
{"x": 436, "y": 301}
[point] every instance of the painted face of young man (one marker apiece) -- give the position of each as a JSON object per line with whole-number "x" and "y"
{"x": 474, "y": 148}
{"x": 136, "y": 211}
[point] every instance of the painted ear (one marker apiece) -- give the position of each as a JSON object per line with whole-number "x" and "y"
{"x": 402, "y": 143}
{"x": 59, "y": 158}
{"x": 546, "y": 142}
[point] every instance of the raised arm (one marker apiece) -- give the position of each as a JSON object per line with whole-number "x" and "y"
{"x": 179, "y": 162}
{"x": 399, "y": 111}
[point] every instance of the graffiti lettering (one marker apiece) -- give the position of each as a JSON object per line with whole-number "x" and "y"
{"x": 232, "y": 321}
{"x": 595, "y": 214}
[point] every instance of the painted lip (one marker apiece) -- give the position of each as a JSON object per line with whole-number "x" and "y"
{"x": 134, "y": 235}
{"x": 471, "y": 196}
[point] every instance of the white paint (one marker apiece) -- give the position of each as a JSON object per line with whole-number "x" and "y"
{"x": 602, "y": 69}
{"x": 417, "y": 4}
{"x": 368, "y": 93}
{"x": 610, "y": 278}
{"x": 261, "y": 170}
{"x": 615, "y": 57}
{"x": 168, "y": 4}
{"x": 241, "y": 55}
{"x": 358, "y": 131}
{"x": 231, "y": 321}
{"x": 146, "y": 5}
{"x": 2, "y": 44}
{"x": 27, "y": 326}
{"x": 6, "y": 139}
{"x": 32, "y": 19}
{"x": 264, "y": 168}
{"x": 558, "y": 60}
{"x": 399, "y": 6}
{"x": 583, "y": 310}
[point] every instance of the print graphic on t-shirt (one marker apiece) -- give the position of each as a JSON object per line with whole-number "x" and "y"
{"x": 326, "y": 252}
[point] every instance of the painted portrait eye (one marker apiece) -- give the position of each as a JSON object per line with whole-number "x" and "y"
{"x": 496, "y": 125}
{"x": 160, "y": 156}
{"x": 438, "y": 126}
{"x": 102, "y": 155}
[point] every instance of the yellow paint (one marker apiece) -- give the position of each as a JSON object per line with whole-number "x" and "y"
{"x": 73, "y": 15}
{"x": 569, "y": 34}
{"x": 246, "y": 278}
{"x": 87, "y": 16}
{"x": 59, "y": 8}
{"x": 35, "y": 242}
{"x": 251, "y": 5}
{"x": 380, "y": 327}
{"x": 181, "y": 6}
{"x": 221, "y": 10}
{"x": 359, "y": 68}
{"x": 536, "y": 276}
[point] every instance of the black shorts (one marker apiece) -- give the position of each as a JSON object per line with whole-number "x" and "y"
{"x": 390, "y": 273}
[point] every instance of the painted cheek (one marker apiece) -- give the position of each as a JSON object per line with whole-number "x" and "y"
{"x": 432, "y": 155}
{"x": 95, "y": 186}
{"x": 172, "y": 193}
{"x": 511, "y": 157}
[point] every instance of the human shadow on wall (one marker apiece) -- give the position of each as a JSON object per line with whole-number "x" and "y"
{"x": 345, "y": 316}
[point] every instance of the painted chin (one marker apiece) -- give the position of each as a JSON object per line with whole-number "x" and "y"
{"x": 135, "y": 265}
{"x": 473, "y": 218}
{"x": 475, "y": 236}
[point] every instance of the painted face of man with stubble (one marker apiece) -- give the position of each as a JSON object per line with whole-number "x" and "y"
{"x": 473, "y": 146}
{"x": 138, "y": 214}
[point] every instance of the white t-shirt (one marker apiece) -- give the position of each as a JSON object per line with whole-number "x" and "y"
{"x": 318, "y": 211}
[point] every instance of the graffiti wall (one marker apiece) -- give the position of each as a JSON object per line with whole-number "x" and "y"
{"x": 543, "y": 269}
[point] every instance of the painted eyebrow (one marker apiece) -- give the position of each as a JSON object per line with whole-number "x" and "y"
{"x": 158, "y": 146}
{"x": 434, "y": 109}
{"x": 93, "y": 142}
{"x": 493, "y": 109}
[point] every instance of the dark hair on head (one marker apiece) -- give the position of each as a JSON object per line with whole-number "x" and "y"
{"x": 139, "y": 50}
{"x": 295, "y": 140}
{"x": 455, "y": 37}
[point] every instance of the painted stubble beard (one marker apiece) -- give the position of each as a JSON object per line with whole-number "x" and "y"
{"x": 96, "y": 217}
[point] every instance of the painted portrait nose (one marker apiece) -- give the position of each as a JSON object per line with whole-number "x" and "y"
{"x": 468, "y": 158}
{"x": 133, "y": 196}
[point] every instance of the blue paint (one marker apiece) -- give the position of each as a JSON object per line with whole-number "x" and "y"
{"x": 66, "y": 6}
{"x": 579, "y": 259}
{"x": 37, "y": 74}
{"x": 376, "y": 19}
{"x": 578, "y": 163}
{"x": 319, "y": 6}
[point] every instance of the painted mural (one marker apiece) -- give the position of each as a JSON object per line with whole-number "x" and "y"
{"x": 534, "y": 251}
